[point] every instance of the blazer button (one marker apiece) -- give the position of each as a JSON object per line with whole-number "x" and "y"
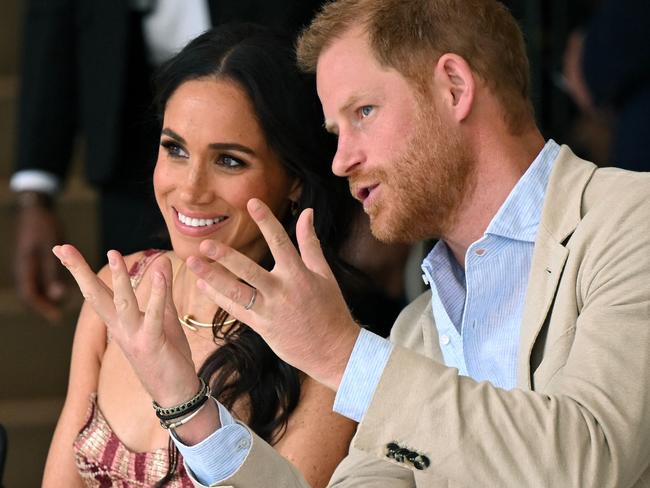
{"x": 421, "y": 462}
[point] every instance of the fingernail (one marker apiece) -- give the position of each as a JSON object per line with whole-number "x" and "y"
{"x": 254, "y": 204}
{"x": 311, "y": 218}
{"x": 111, "y": 260}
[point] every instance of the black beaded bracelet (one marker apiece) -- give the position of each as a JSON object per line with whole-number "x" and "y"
{"x": 185, "y": 408}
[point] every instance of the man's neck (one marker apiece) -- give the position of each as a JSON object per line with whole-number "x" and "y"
{"x": 500, "y": 163}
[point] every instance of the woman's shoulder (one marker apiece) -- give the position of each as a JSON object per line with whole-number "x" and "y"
{"x": 136, "y": 264}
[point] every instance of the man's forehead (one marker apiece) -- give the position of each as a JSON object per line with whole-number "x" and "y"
{"x": 345, "y": 67}
{"x": 352, "y": 43}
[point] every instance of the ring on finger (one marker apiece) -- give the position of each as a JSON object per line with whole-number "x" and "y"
{"x": 250, "y": 304}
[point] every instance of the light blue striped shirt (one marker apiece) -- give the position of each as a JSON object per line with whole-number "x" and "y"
{"x": 477, "y": 312}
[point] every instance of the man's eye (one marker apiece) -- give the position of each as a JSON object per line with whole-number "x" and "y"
{"x": 366, "y": 110}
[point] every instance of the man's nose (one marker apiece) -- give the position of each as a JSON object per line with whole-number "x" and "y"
{"x": 349, "y": 155}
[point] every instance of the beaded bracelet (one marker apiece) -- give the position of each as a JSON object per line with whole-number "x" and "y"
{"x": 173, "y": 425}
{"x": 185, "y": 408}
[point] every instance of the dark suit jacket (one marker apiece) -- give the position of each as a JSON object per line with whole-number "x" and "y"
{"x": 84, "y": 70}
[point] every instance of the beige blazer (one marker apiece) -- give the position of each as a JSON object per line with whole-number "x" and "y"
{"x": 580, "y": 415}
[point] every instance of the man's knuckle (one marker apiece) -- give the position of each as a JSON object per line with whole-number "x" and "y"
{"x": 235, "y": 294}
{"x": 279, "y": 240}
{"x": 251, "y": 272}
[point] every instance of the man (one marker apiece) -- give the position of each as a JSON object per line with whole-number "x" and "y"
{"x": 527, "y": 364}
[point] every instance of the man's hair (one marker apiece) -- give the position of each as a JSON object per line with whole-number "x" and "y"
{"x": 410, "y": 35}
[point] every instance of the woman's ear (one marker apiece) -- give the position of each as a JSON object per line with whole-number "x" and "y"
{"x": 456, "y": 81}
{"x": 296, "y": 190}
{"x": 294, "y": 196}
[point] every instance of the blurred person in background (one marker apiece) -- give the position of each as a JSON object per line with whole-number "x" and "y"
{"x": 607, "y": 73}
{"x": 86, "y": 68}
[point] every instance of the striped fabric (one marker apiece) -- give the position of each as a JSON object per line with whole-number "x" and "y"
{"x": 478, "y": 310}
{"x": 104, "y": 461}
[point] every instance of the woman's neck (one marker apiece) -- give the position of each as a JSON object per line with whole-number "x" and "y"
{"x": 189, "y": 300}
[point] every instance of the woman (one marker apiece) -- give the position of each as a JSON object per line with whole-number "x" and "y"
{"x": 239, "y": 121}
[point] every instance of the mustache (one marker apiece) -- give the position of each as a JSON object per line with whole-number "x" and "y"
{"x": 357, "y": 181}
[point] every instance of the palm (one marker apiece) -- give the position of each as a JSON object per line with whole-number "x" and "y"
{"x": 151, "y": 340}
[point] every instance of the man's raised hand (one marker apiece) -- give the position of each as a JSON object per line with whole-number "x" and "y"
{"x": 297, "y": 307}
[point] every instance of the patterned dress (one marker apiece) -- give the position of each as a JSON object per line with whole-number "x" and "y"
{"x": 103, "y": 460}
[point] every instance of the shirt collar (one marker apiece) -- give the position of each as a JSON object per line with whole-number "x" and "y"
{"x": 519, "y": 216}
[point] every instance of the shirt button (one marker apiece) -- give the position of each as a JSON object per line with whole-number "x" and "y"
{"x": 481, "y": 251}
{"x": 425, "y": 279}
{"x": 444, "y": 340}
{"x": 243, "y": 444}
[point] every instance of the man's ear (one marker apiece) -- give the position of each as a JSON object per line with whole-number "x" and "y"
{"x": 456, "y": 81}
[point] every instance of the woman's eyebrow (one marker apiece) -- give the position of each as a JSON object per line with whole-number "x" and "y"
{"x": 168, "y": 132}
{"x": 221, "y": 146}
{"x": 231, "y": 146}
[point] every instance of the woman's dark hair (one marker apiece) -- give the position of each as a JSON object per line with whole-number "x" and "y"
{"x": 262, "y": 64}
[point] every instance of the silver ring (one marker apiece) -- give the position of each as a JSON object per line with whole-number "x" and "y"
{"x": 250, "y": 304}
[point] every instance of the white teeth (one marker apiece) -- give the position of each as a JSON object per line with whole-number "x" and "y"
{"x": 198, "y": 222}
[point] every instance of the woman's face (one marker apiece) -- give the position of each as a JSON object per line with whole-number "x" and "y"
{"x": 213, "y": 158}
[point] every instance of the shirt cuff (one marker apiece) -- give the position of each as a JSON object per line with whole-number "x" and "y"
{"x": 220, "y": 455}
{"x": 34, "y": 180}
{"x": 362, "y": 374}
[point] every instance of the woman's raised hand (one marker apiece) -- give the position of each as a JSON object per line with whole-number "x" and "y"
{"x": 152, "y": 340}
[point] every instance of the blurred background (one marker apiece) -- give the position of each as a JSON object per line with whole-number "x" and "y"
{"x": 34, "y": 354}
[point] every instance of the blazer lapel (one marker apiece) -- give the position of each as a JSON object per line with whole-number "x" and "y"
{"x": 560, "y": 216}
{"x": 429, "y": 334}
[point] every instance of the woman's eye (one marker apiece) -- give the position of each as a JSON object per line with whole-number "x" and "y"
{"x": 366, "y": 110}
{"x": 174, "y": 150}
{"x": 230, "y": 162}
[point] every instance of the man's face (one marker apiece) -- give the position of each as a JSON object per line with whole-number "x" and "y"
{"x": 403, "y": 162}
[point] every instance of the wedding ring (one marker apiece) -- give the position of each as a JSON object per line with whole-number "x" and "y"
{"x": 250, "y": 304}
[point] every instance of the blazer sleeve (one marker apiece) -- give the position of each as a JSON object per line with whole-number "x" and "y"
{"x": 263, "y": 466}
{"x": 47, "y": 107}
{"x": 587, "y": 424}
{"x": 359, "y": 469}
